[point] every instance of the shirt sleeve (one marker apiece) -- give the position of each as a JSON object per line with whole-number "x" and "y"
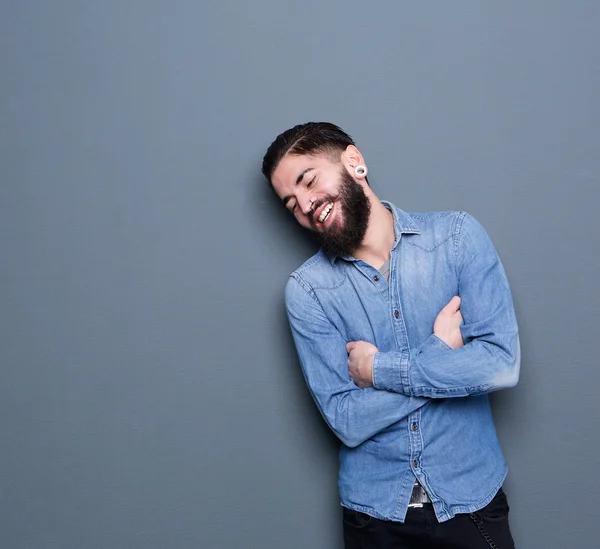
{"x": 353, "y": 414}
{"x": 490, "y": 359}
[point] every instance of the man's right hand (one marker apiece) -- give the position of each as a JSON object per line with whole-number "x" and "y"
{"x": 446, "y": 325}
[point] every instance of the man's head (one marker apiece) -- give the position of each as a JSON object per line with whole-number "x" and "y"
{"x": 313, "y": 169}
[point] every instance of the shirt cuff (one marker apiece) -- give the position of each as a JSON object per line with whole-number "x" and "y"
{"x": 390, "y": 371}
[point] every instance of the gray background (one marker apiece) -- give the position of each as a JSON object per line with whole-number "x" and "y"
{"x": 150, "y": 394}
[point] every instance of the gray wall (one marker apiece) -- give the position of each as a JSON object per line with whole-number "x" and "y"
{"x": 150, "y": 394}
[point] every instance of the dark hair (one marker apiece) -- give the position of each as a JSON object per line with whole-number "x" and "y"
{"x": 309, "y": 138}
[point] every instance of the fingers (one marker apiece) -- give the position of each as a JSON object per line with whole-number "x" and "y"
{"x": 360, "y": 347}
{"x": 453, "y": 305}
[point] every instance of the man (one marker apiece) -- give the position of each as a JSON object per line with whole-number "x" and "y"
{"x": 403, "y": 324}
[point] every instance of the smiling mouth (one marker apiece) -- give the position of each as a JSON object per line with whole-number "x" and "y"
{"x": 325, "y": 213}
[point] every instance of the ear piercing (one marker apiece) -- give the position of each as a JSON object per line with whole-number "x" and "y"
{"x": 360, "y": 171}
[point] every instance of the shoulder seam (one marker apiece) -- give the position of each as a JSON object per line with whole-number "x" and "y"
{"x": 302, "y": 283}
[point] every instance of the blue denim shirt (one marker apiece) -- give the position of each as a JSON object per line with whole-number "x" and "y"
{"x": 428, "y": 414}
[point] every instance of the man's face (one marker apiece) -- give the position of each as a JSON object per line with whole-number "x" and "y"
{"x": 325, "y": 199}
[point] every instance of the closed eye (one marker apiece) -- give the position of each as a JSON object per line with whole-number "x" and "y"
{"x": 311, "y": 182}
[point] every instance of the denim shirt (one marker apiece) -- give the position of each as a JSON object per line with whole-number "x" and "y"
{"x": 428, "y": 414}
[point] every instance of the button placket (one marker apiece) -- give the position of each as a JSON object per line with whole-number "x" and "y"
{"x": 414, "y": 424}
{"x": 416, "y": 444}
{"x": 398, "y": 325}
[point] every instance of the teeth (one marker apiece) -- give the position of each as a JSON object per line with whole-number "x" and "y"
{"x": 325, "y": 213}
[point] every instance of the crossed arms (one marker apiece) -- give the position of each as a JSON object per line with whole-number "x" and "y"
{"x": 360, "y": 391}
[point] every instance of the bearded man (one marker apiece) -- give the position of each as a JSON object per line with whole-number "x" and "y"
{"x": 403, "y": 324}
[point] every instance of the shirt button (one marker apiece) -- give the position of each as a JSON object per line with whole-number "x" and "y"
{"x": 376, "y": 278}
{"x": 397, "y": 314}
{"x": 415, "y": 427}
{"x": 415, "y": 464}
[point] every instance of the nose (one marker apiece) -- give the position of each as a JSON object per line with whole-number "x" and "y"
{"x": 306, "y": 204}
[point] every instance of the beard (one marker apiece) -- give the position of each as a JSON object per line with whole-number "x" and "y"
{"x": 341, "y": 239}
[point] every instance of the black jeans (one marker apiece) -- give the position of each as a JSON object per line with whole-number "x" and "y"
{"x": 422, "y": 530}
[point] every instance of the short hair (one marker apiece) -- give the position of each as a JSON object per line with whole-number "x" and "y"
{"x": 309, "y": 138}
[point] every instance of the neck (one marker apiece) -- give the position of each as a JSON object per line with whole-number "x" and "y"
{"x": 379, "y": 238}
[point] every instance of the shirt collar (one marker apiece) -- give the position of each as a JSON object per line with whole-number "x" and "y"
{"x": 403, "y": 224}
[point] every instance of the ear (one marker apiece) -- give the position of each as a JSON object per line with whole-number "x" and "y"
{"x": 351, "y": 158}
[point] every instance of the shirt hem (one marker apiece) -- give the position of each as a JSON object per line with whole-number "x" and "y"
{"x": 443, "y": 516}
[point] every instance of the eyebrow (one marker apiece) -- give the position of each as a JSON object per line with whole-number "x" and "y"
{"x": 287, "y": 198}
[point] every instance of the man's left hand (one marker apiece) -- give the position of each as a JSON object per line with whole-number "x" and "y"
{"x": 360, "y": 362}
